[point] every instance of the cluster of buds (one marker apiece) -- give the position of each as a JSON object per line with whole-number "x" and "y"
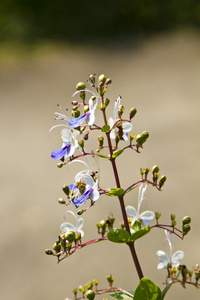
{"x": 87, "y": 290}
{"x": 144, "y": 172}
{"x": 173, "y": 220}
{"x": 102, "y": 83}
{"x": 104, "y": 225}
{"x": 185, "y": 225}
{"x": 141, "y": 139}
{"x": 156, "y": 175}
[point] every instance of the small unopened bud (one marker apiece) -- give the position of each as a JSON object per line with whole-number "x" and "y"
{"x": 70, "y": 236}
{"x": 76, "y": 113}
{"x": 80, "y": 86}
{"x": 86, "y": 136}
{"x": 122, "y": 225}
{"x": 173, "y": 217}
{"x": 145, "y": 135}
{"x": 78, "y": 236}
{"x": 75, "y": 291}
{"x": 155, "y": 169}
{"x": 120, "y": 111}
{"x": 90, "y": 294}
{"x": 108, "y": 81}
{"x": 174, "y": 223}
{"x": 157, "y": 215}
{"x": 100, "y": 140}
{"x": 57, "y": 247}
{"x": 82, "y": 288}
{"x": 103, "y": 224}
{"x": 163, "y": 178}
{"x": 61, "y": 201}
{"x": 86, "y": 108}
{"x": 92, "y": 79}
{"x": 186, "y": 229}
{"x": 81, "y": 143}
{"x": 132, "y": 113}
{"x": 93, "y": 98}
{"x": 102, "y": 78}
{"x": 74, "y": 102}
{"x": 106, "y": 102}
{"x": 131, "y": 136}
{"x": 79, "y": 212}
{"x": 49, "y": 252}
{"x": 155, "y": 177}
{"x": 59, "y": 165}
{"x": 65, "y": 189}
{"x": 89, "y": 285}
{"x": 186, "y": 220}
{"x": 110, "y": 280}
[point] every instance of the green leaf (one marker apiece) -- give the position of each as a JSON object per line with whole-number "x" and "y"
{"x": 132, "y": 188}
{"x": 121, "y": 295}
{"x": 117, "y": 153}
{"x": 147, "y": 290}
{"x": 105, "y": 128}
{"x": 102, "y": 156}
{"x": 118, "y": 235}
{"x": 115, "y": 192}
{"x": 137, "y": 232}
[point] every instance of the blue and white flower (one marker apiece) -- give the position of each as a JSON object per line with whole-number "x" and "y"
{"x": 69, "y": 144}
{"x": 88, "y": 116}
{"x": 171, "y": 260}
{"x": 144, "y": 217}
{"x": 126, "y": 126}
{"x": 67, "y": 226}
{"x": 91, "y": 189}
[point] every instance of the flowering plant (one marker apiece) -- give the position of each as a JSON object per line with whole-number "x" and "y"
{"x": 115, "y": 138}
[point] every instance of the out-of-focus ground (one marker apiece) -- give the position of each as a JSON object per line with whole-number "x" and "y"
{"x": 160, "y": 77}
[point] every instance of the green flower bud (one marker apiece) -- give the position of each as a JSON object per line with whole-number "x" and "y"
{"x": 102, "y": 78}
{"x": 132, "y": 113}
{"x": 85, "y": 137}
{"x": 106, "y": 102}
{"x": 57, "y": 247}
{"x": 89, "y": 285}
{"x": 78, "y": 236}
{"x": 155, "y": 169}
{"x": 81, "y": 143}
{"x": 122, "y": 225}
{"x": 186, "y": 220}
{"x": 90, "y": 294}
{"x": 139, "y": 139}
{"x": 110, "y": 280}
{"x": 82, "y": 288}
{"x": 80, "y": 86}
{"x": 70, "y": 236}
{"x": 75, "y": 291}
{"x": 100, "y": 140}
{"x": 74, "y": 102}
{"x": 157, "y": 215}
{"x": 108, "y": 81}
{"x": 48, "y": 252}
{"x": 59, "y": 165}
{"x": 186, "y": 227}
{"x": 103, "y": 224}
{"x": 76, "y": 113}
{"x": 145, "y": 134}
{"x": 61, "y": 201}
{"x": 163, "y": 178}
{"x": 131, "y": 136}
{"x": 86, "y": 108}
{"x": 120, "y": 111}
{"x": 174, "y": 223}
{"x": 173, "y": 217}
{"x": 65, "y": 189}
{"x": 79, "y": 212}
{"x": 93, "y": 98}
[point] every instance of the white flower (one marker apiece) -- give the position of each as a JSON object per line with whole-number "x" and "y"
{"x": 91, "y": 189}
{"x": 64, "y": 227}
{"x": 126, "y": 126}
{"x": 144, "y": 217}
{"x": 172, "y": 260}
{"x": 69, "y": 144}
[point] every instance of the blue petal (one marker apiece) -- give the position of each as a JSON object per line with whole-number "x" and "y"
{"x": 76, "y": 122}
{"x": 72, "y": 187}
{"x": 82, "y": 199}
{"x": 58, "y": 154}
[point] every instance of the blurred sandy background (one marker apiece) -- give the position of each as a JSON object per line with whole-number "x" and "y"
{"x": 159, "y": 75}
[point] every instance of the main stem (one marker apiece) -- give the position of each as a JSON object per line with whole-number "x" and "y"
{"x": 121, "y": 201}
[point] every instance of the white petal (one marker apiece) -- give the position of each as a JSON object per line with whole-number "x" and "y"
{"x": 91, "y": 118}
{"x": 66, "y": 135}
{"x": 127, "y": 127}
{"x": 131, "y": 211}
{"x": 88, "y": 180}
{"x": 178, "y": 255}
{"x": 162, "y": 265}
{"x": 67, "y": 226}
{"x": 147, "y": 215}
{"x": 162, "y": 256}
{"x": 94, "y": 195}
{"x": 81, "y": 232}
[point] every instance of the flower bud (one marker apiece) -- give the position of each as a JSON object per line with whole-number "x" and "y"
{"x": 79, "y": 212}
{"x": 131, "y": 136}
{"x": 57, "y": 247}
{"x": 145, "y": 135}
{"x": 76, "y": 113}
{"x": 89, "y": 285}
{"x": 157, "y": 215}
{"x": 80, "y": 86}
{"x": 174, "y": 223}
{"x": 70, "y": 236}
{"x": 75, "y": 291}
{"x": 120, "y": 111}
{"x": 163, "y": 178}
{"x": 103, "y": 225}
{"x": 110, "y": 280}
{"x": 132, "y": 113}
{"x": 74, "y": 102}
{"x": 59, "y": 165}
{"x": 139, "y": 139}
{"x": 106, "y": 102}
{"x": 102, "y": 78}
{"x": 86, "y": 108}
{"x": 155, "y": 169}
{"x": 48, "y": 252}
{"x": 85, "y": 137}
{"x": 90, "y": 294}
{"x": 65, "y": 189}
{"x": 92, "y": 79}
{"x": 100, "y": 140}
{"x": 81, "y": 143}
{"x": 61, "y": 201}
{"x": 186, "y": 220}
{"x": 173, "y": 217}
{"x": 108, "y": 81}
{"x": 82, "y": 289}
{"x": 186, "y": 227}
